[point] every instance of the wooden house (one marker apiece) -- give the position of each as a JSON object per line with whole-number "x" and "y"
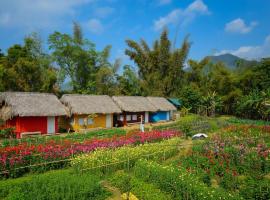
{"x": 31, "y": 112}
{"x": 133, "y": 108}
{"x": 164, "y": 109}
{"x": 89, "y": 111}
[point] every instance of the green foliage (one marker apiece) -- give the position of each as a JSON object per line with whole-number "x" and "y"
{"x": 129, "y": 83}
{"x": 192, "y": 124}
{"x": 254, "y": 105}
{"x": 160, "y": 64}
{"x": 191, "y": 98}
{"x": 178, "y": 182}
{"x": 235, "y": 120}
{"x": 88, "y": 69}
{"x": 7, "y": 133}
{"x": 142, "y": 190}
{"x": 27, "y": 68}
{"x": 253, "y": 189}
{"x": 60, "y": 184}
{"x": 209, "y": 104}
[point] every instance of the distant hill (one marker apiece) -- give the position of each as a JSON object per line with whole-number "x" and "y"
{"x": 230, "y": 60}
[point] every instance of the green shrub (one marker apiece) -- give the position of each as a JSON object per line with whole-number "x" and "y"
{"x": 53, "y": 185}
{"x": 7, "y": 133}
{"x": 142, "y": 190}
{"x": 235, "y": 120}
{"x": 256, "y": 189}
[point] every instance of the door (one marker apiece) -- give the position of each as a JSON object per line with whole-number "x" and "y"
{"x": 108, "y": 121}
{"x": 51, "y": 125}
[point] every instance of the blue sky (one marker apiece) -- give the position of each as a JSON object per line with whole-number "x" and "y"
{"x": 240, "y": 27}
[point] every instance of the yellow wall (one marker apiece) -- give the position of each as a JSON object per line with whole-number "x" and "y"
{"x": 98, "y": 122}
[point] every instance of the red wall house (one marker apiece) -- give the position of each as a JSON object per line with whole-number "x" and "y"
{"x": 30, "y": 124}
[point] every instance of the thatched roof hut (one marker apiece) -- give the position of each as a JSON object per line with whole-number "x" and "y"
{"x": 89, "y": 104}
{"x": 25, "y": 104}
{"x": 161, "y": 103}
{"x": 134, "y": 103}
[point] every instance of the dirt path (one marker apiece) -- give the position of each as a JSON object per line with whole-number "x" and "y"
{"x": 116, "y": 194}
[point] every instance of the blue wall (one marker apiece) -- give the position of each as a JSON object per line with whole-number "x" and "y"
{"x": 158, "y": 116}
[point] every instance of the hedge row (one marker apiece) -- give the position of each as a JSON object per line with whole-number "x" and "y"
{"x": 61, "y": 184}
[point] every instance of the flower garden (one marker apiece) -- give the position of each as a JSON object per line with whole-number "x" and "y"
{"x": 25, "y": 157}
{"x": 233, "y": 163}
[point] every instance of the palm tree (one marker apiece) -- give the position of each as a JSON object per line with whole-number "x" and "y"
{"x": 160, "y": 67}
{"x": 210, "y": 103}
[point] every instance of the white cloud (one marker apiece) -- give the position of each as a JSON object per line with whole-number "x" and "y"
{"x": 103, "y": 12}
{"x": 94, "y": 26}
{"x": 197, "y": 6}
{"x": 239, "y": 26}
{"x": 164, "y": 2}
{"x": 251, "y": 52}
{"x": 37, "y": 13}
{"x": 182, "y": 17}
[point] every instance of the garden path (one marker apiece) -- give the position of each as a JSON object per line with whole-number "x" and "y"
{"x": 185, "y": 147}
{"x": 116, "y": 194}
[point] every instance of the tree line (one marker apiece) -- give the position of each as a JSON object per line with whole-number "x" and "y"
{"x": 203, "y": 87}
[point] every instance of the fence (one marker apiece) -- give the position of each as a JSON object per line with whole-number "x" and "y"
{"x": 129, "y": 162}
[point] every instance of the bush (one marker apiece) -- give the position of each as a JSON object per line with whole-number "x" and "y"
{"x": 142, "y": 190}
{"x": 53, "y": 185}
{"x": 7, "y": 133}
{"x": 254, "y": 189}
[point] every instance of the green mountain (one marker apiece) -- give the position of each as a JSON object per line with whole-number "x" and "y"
{"x": 230, "y": 60}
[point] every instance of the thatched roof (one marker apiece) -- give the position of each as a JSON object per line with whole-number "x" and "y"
{"x": 134, "y": 103}
{"x": 161, "y": 103}
{"x": 89, "y": 104}
{"x": 29, "y": 104}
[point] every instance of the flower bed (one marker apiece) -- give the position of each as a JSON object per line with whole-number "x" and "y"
{"x": 12, "y": 158}
{"x": 109, "y": 160}
{"x": 74, "y": 137}
{"x": 179, "y": 183}
{"x": 235, "y": 158}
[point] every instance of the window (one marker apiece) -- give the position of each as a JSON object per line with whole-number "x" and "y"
{"x": 72, "y": 121}
{"x": 128, "y": 117}
{"x": 134, "y": 117}
{"x": 81, "y": 121}
{"x": 121, "y": 118}
{"x": 90, "y": 121}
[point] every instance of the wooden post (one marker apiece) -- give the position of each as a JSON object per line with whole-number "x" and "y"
{"x": 125, "y": 118}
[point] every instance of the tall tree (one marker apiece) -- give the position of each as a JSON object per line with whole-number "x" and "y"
{"x": 27, "y": 68}
{"x": 129, "y": 83}
{"x": 78, "y": 59}
{"x": 160, "y": 67}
